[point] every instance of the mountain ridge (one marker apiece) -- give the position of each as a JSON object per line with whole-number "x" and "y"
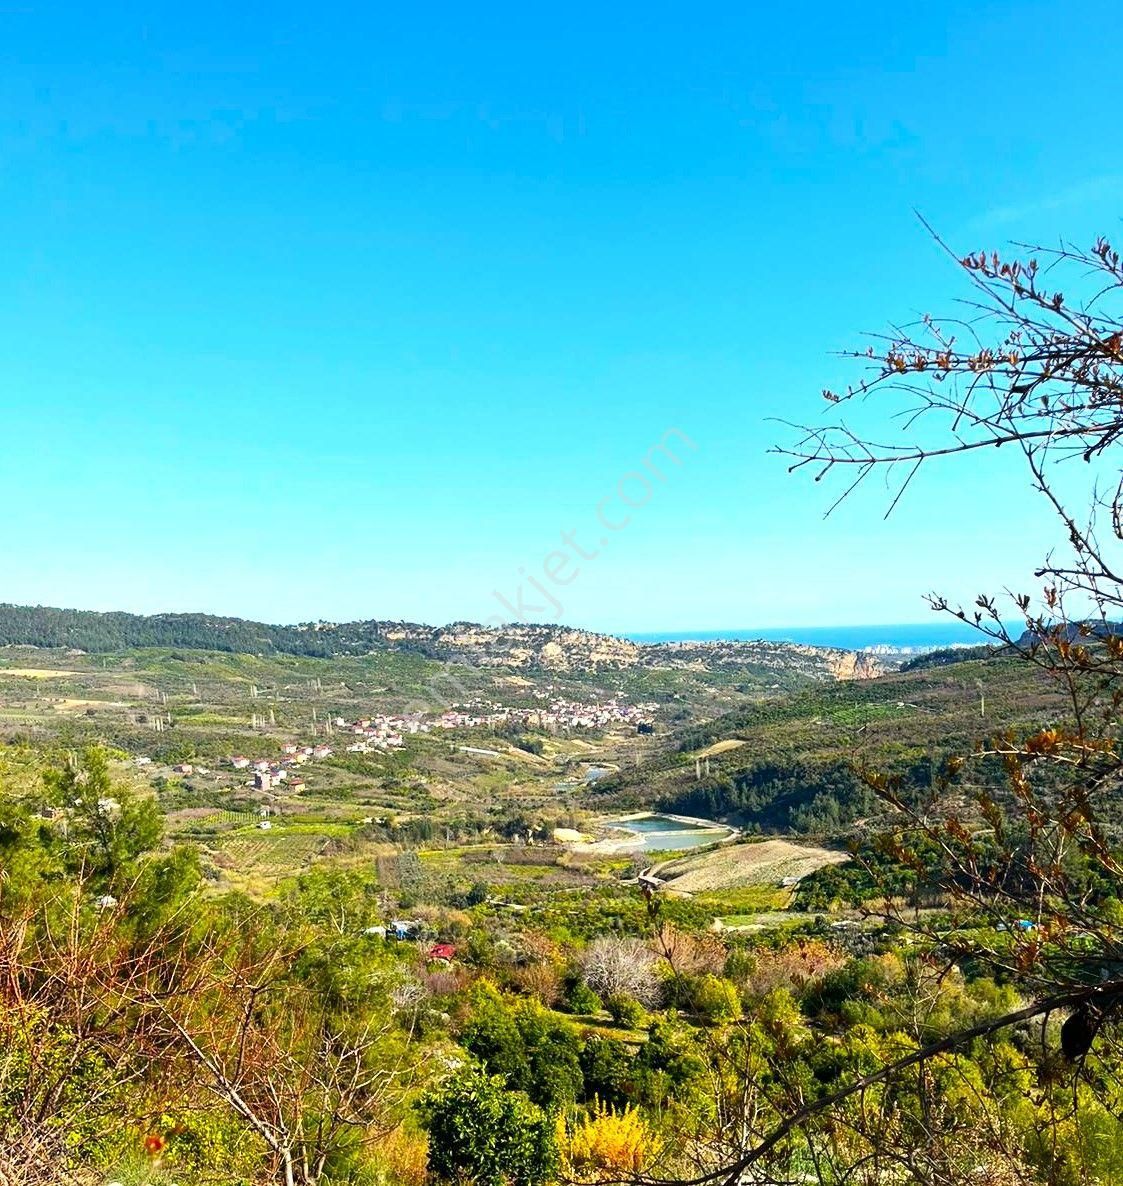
{"x": 547, "y": 646}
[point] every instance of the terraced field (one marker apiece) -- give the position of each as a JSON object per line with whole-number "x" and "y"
{"x": 768, "y": 862}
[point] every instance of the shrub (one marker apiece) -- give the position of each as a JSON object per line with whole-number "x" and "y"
{"x": 608, "y": 1146}
{"x": 716, "y": 999}
{"x": 480, "y": 1131}
{"x": 582, "y": 999}
{"x": 625, "y": 1010}
{"x": 540, "y": 981}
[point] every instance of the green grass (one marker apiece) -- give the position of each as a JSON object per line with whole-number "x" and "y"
{"x": 603, "y": 1025}
{"x": 767, "y": 920}
{"x": 745, "y": 899}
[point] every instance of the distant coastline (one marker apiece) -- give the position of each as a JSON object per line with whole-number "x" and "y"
{"x": 907, "y": 636}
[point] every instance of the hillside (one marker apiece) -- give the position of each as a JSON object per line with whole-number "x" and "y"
{"x": 519, "y": 647}
{"x": 763, "y": 734}
{"x": 788, "y": 763}
{"x": 99, "y": 633}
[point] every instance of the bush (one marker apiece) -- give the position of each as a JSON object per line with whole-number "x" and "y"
{"x": 533, "y": 1050}
{"x": 609, "y": 1146}
{"x": 716, "y": 999}
{"x": 480, "y": 1131}
{"x": 625, "y": 1011}
{"x": 582, "y": 999}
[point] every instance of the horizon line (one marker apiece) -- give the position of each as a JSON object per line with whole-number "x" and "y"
{"x": 628, "y": 633}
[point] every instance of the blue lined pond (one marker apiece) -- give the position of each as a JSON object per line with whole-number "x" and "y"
{"x": 667, "y": 833}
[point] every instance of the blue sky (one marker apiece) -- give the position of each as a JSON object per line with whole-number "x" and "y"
{"x": 349, "y": 311}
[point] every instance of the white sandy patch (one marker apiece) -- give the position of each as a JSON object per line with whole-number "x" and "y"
{"x": 720, "y": 747}
{"x": 570, "y": 836}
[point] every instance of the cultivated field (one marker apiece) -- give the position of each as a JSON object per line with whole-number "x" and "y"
{"x": 768, "y": 862}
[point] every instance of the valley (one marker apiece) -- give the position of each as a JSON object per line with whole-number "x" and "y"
{"x": 595, "y": 870}
{"x": 463, "y": 740}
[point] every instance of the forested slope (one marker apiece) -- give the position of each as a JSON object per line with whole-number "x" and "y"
{"x": 790, "y": 763}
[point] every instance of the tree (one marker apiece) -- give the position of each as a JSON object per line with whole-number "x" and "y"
{"x": 715, "y": 998}
{"x": 297, "y": 1036}
{"x": 104, "y": 827}
{"x": 606, "y": 1069}
{"x": 481, "y": 1131}
{"x": 530, "y": 1048}
{"x": 64, "y": 1061}
{"x": 156, "y": 1011}
{"x": 622, "y": 966}
{"x": 493, "y": 1036}
{"x": 1034, "y": 852}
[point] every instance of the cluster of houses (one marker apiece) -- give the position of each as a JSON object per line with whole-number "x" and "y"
{"x": 573, "y": 714}
{"x": 387, "y": 731}
{"x": 286, "y": 771}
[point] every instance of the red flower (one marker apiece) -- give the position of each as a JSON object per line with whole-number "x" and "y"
{"x": 153, "y": 1144}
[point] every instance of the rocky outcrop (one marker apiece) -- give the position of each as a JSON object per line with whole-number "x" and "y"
{"x": 762, "y": 656}
{"x": 547, "y": 647}
{"x": 854, "y": 665}
{"x": 555, "y": 648}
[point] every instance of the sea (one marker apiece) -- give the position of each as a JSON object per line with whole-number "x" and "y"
{"x": 916, "y": 636}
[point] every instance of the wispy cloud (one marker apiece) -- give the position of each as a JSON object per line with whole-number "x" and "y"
{"x": 1096, "y": 189}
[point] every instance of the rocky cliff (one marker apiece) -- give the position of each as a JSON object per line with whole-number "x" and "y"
{"x": 554, "y": 648}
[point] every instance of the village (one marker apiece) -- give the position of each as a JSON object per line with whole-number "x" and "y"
{"x": 382, "y": 732}
{"x": 556, "y": 715}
